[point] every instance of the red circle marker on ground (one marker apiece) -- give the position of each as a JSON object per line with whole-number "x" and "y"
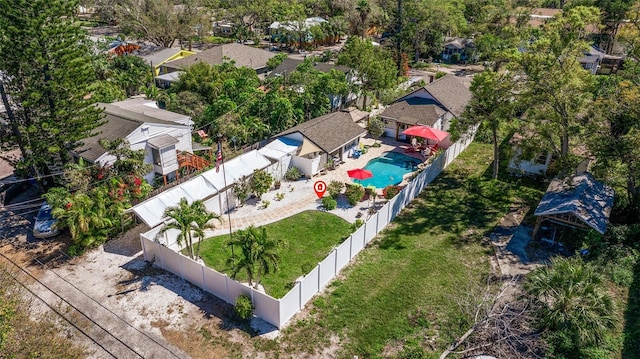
{"x": 320, "y": 188}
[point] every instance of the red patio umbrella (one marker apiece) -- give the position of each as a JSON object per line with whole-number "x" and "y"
{"x": 359, "y": 173}
{"x": 426, "y": 132}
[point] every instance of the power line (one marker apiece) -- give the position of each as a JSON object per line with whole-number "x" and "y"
{"x": 82, "y": 313}
{"x": 52, "y": 308}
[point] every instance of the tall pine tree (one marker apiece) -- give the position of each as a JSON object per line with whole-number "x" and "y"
{"x": 46, "y": 71}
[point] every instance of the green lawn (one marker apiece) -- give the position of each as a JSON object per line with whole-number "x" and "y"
{"x": 309, "y": 237}
{"x": 403, "y": 295}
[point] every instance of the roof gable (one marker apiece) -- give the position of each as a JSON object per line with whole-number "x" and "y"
{"x": 242, "y": 55}
{"x": 451, "y": 93}
{"x": 330, "y": 131}
{"x": 113, "y": 128}
{"x": 119, "y": 123}
{"x": 583, "y": 196}
{"x": 155, "y": 56}
{"x": 414, "y": 110}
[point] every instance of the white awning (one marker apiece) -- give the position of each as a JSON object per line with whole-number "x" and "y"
{"x": 280, "y": 148}
{"x": 200, "y": 187}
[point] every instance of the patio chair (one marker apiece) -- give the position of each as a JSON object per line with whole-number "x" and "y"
{"x": 203, "y": 135}
{"x": 410, "y": 149}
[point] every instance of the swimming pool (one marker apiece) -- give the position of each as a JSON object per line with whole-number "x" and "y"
{"x": 389, "y": 169}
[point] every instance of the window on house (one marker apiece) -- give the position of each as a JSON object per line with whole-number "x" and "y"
{"x": 157, "y": 159}
{"x": 541, "y": 159}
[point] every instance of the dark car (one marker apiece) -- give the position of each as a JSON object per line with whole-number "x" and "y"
{"x": 45, "y": 225}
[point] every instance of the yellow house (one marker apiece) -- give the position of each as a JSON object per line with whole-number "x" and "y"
{"x": 159, "y": 56}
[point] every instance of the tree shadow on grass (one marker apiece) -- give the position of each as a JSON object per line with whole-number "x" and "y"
{"x": 463, "y": 205}
{"x": 452, "y": 205}
{"x": 392, "y": 241}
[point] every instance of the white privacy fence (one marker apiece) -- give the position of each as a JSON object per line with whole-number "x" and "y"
{"x": 163, "y": 250}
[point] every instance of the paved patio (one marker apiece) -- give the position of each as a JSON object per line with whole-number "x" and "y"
{"x": 300, "y": 195}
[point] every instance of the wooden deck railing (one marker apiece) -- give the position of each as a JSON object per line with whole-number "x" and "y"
{"x": 186, "y": 159}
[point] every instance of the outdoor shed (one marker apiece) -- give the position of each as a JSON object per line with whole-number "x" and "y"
{"x": 579, "y": 202}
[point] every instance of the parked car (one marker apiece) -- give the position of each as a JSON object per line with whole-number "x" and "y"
{"x": 45, "y": 225}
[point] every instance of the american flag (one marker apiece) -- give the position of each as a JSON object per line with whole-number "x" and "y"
{"x": 218, "y": 157}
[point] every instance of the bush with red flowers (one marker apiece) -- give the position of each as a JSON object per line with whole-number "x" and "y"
{"x": 391, "y": 191}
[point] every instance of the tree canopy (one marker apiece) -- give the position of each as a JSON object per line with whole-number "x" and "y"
{"x": 47, "y": 72}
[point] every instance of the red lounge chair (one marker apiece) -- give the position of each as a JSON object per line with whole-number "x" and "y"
{"x": 202, "y": 134}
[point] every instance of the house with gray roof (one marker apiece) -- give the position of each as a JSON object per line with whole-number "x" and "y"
{"x": 159, "y": 133}
{"x": 457, "y": 49}
{"x": 331, "y": 137}
{"x": 579, "y": 201}
{"x": 241, "y": 54}
{"x": 157, "y": 56}
{"x": 433, "y": 105}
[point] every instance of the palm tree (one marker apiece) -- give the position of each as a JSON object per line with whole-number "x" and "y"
{"x": 182, "y": 221}
{"x": 363, "y": 8}
{"x": 85, "y": 218}
{"x": 202, "y": 221}
{"x": 189, "y": 219}
{"x": 258, "y": 253}
{"x": 266, "y": 254}
{"x": 573, "y": 299}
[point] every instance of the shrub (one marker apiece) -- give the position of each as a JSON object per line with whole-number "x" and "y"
{"x": 376, "y": 127}
{"x": 241, "y": 190}
{"x": 243, "y": 307}
{"x": 293, "y": 174}
{"x": 354, "y": 194}
{"x": 260, "y": 182}
{"x": 279, "y": 196}
{"x": 334, "y": 188}
{"x": 357, "y": 224}
{"x": 390, "y": 191}
{"x": 329, "y": 203}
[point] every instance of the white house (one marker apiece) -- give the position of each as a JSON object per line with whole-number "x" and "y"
{"x": 161, "y": 134}
{"x": 312, "y": 144}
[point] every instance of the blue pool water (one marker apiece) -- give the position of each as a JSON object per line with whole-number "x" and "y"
{"x": 389, "y": 169}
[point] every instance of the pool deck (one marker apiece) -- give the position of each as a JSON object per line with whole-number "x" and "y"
{"x": 299, "y": 196}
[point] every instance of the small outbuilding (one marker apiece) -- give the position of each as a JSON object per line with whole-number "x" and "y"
{"x": 579, "y": 202}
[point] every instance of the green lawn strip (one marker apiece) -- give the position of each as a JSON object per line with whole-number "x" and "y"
{"x": 309, "y": 237}
{"x": 407, "y": 287}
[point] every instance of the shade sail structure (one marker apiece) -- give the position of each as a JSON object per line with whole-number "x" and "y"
{"x": 426, "y": 132}
{"x": 308, "y": 147}
{"x": 359, "y": 174}
{"x": 201, "y": 187}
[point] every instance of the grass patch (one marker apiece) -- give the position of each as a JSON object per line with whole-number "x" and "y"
{"x": 409, "y": 291}
{"x": 309, "y": 236}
